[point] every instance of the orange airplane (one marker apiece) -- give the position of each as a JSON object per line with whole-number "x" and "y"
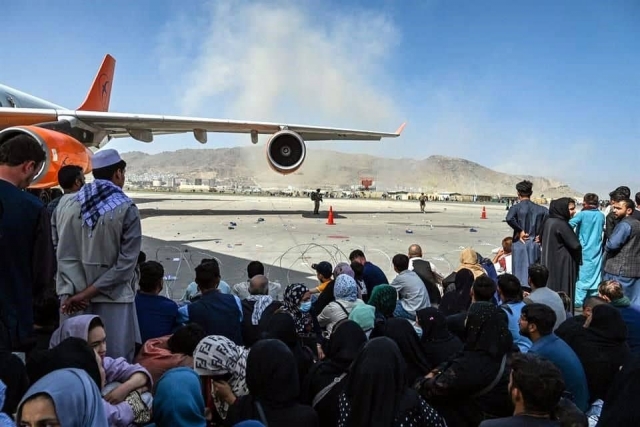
{"x": 67, "y": 135}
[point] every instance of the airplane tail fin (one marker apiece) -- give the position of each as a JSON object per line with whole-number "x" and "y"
{"x": 100, "y": 93}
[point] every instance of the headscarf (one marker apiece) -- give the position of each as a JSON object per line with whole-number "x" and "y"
{"x": 487, "y": 330}
{"x": 218, "y": 355}
{"x": 469, "y": 260}
{"x": 460, "y": 300}
{"x": 292, "y": 297}
{"x": 364, "y": 315}
{"x": 76, "y": 326}
{"x": 384, "y": 298}
{"x": 607, "y": 324}
{"x": 344, "y": 268}
{"x": 5, "y": 420}
{"x": 13, "y": 374}
{"x": 71, "y": 353}
{"x": 184, "y": 408}
{"x": 262, "y": 302}
{"x": 282, "y": 327}
{"x": 433, "y": 324}
{"x": 344, "y": 344}
{"x": 559, "y": 208}
{"x": 376, "y": 383}
{"x": 402, "y": 333}
{"x": 272, "y": 375}
{"x": 75, "y": 396}
{"x": 625, "y": 388}
{"x": 346, "y": 288}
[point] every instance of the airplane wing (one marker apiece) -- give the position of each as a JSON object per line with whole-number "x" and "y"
{"x": 143, "y": 126}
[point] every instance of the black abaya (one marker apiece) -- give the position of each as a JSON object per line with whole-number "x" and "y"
{"x": 561, "y": 249}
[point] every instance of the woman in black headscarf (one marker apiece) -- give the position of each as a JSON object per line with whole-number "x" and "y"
{"x": 472, "y": 386}
{"x": 274, "y": 389}
{"x": 14, "y": 376}
{"x": 438, "y": 343}
{"x": 402, "y": 332}
{"x": 282, "y": 327}
{"x": 458, "y": 300}
{"x": 561, "y": 249}
{"x": 618, "y": 408}
{"x": 602, "y": 348}
{"x": 376, "y": 394}
{"x": 346, "y": 341}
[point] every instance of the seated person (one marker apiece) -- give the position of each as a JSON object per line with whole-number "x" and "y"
{"x": 324, "y": 271}
{"x": 192, "y": 293}
{"x": 254, "y": 268}
{"x": 257, "y": 306}
{"x": 158, "y": 355}
{"x": 157, "y": 315}
{"x": 122, "y": 407}
{"x": 502, "y": 259}
{"x": 118, "y": 371}
{"x": 217, "y": 313}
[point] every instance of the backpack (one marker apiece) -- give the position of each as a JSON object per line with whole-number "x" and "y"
{"x": 314, "y": 196}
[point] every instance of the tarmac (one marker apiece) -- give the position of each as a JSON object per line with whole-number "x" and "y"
{"x": 181, "y": 229}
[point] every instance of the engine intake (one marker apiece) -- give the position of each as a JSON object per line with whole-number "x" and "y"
{"x": 286, "y": 152}
{"x": 60, "y": 150}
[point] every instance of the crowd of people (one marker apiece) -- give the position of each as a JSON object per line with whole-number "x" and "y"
{"x": 545, "y": 333}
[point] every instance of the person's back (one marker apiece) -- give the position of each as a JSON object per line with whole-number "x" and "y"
{"x": 413, "y": 295}
{"x": 218, "y": 314}
{"x": 423, "y": 269}
{"x": 250, "y": 331}
{"x": 25, "y": 241}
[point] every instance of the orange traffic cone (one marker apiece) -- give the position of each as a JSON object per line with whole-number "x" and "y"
{"x": 330, "y": 217}
{"x": 484, "y": 213}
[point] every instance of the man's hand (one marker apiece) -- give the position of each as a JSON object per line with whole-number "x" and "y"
{"x": 524, "y": 236}
{"x": 222, "y": 390}
{"x": 74, "y": 304}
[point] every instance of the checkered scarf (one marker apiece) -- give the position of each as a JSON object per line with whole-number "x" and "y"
{"x": 98, "y": 198}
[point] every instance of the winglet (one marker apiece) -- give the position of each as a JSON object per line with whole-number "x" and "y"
{"x": 100, "y": 93}
{"x": 400, "y": 129}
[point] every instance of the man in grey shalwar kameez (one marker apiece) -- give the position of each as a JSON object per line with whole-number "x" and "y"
{"x": 97, "y": 234}
{"x": 526, "y": 219}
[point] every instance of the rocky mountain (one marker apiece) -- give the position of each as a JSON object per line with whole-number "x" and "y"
{"x": 336, "y": 169}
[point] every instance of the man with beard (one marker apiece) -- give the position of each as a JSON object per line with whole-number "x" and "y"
{"x": 535, "y": 388}
{"x": 526, "y": 219}
{"x": 623, "y": 251}
{"x": 25, "y": 242}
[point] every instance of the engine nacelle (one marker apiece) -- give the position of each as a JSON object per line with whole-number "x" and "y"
{"x": 286, "y": 152}
{"x": 60, "y": 150}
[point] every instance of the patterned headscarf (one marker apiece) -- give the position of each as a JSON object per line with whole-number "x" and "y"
{"x": 345, "y": 288}
{"x": 98, "y": 198}
{"x": 217, "y": 355}
{"x": 262, "y": 302}
{"x": 384, "y": 299}
{"x": 292, "y": 296}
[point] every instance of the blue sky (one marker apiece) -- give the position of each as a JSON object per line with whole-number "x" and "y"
{"x": 547, "y": 88}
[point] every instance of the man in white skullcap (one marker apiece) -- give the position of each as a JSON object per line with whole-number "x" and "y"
{"x": 97, "y": 234}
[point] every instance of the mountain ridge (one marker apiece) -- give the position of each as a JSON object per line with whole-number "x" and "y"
{"x": 327, "y": 168}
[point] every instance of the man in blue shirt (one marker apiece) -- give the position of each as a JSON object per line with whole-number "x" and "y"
{"x": 217, "y": 313}
{"x": 157, "y": 315}
{"x": 510, "y": 291}
{"x": 536, "y": 323}
{"x": 372, "y": 274}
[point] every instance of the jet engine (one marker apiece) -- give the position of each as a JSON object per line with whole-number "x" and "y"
{"x": 286, "y": 152}
{"x": 60, "y": 150}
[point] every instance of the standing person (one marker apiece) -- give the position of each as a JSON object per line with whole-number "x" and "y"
{"x": 98, "y": 236}
{"x": 423, "y": 201}
{"x": 623, "y": 251}
{"x": 589, "y": 223}
{"x": 317, "y": 198}
{"x": 71, "y": 179}
{"x": 561, "y": 250}
{"x": 25, "y": 242}
{"x": 525, "y": 218}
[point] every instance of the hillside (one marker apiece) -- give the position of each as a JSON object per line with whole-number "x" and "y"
{"x": 335, "y": 169}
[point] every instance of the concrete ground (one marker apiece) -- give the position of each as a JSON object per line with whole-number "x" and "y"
{"x": 182, "y": 229}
